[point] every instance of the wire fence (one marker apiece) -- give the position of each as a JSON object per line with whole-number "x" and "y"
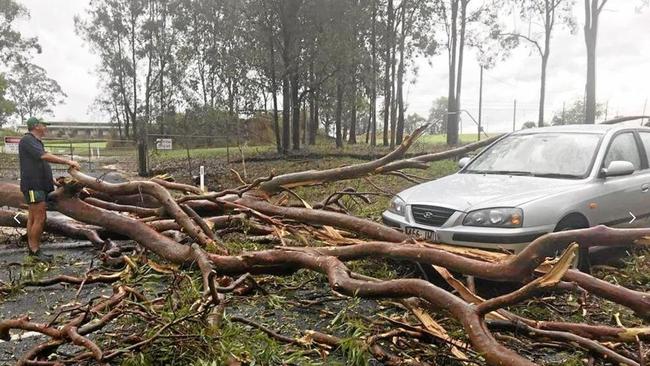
{"x": 95, "y": 156}
{"x": 193, "y": 151}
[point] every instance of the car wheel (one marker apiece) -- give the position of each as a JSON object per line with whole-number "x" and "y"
{"x": 575, "y": 222}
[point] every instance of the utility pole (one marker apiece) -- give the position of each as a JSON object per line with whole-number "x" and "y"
{"x": 514, "y": 116}
{"x": 480, "y": 104}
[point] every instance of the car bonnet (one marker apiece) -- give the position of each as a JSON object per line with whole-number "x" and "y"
{"x": 466, "y": 192}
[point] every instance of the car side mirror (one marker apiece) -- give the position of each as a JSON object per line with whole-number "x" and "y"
{"x": 617, "y": 168}
{"x": 462, "y": 162}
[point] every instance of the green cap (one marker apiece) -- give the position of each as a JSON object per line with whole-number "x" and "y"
{"x": 33, "y": 121}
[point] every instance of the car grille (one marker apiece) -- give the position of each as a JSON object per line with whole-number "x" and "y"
{"x": 431, "y": 215}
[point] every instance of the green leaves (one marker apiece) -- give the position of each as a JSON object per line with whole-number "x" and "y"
{"x": 32, "y": 91}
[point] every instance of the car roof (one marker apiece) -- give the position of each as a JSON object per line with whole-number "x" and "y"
{"x": 600, "y": 129}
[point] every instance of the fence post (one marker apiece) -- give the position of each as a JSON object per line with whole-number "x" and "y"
{"x": 143, "y": 170}
{"x": 90, "y": 157}
{"x": 71, "y": 151}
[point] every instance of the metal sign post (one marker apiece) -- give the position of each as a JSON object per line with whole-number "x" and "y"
{"x": 202, "y": 174}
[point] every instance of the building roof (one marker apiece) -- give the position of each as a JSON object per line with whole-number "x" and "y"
{"x": 76, "y": 125}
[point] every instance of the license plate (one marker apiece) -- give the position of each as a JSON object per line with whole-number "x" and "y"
{"x": 428, "y": 235}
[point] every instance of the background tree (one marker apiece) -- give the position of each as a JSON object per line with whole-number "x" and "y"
{"x": 592, "y": 17}
{"x": 113, "y": 31}
{"x": 529, "y": 124}
{"x": 7, "y": 107}
{"x": 389, "y": 35}
{"x": 575, "y": 114}
{"x": 32, "y": 91}
{"x": 416, "y": 27}
{"x": 13, "y": 45}
{"x": 437, "y": 119}
{"x": 541, "y": 16}
{"x": 412, "y": 122}
{"x": 14, "y": 49}
{"x": 458, "y": 19}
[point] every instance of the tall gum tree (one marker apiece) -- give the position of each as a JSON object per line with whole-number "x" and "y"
{"x": 458, "y": 18}
{"x": 32, "y": 91}
{"x": 540, "y": 18}
{"x": 593, "y": 8}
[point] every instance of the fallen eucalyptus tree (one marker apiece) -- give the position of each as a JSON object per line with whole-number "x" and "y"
{"x": 180, "y": 225}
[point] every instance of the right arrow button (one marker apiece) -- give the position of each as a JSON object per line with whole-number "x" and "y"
{"x": 633, "y": 217}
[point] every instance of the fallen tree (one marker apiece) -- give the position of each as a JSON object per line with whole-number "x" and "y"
{"x": 181, "y": 226}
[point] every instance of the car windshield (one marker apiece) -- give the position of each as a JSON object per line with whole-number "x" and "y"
{"x": 553, "y": 155}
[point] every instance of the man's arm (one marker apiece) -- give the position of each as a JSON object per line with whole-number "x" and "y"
{"x": 57, "y": 160}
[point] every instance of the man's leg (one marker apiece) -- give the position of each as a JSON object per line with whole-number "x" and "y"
{"x": 37, "y": 216}
{"x": 30, "y": 220}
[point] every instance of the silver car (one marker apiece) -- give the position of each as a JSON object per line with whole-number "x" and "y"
{"x": 532, "y": 182}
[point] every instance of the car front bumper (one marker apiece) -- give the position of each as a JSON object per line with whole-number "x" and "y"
{"x": 453, "y": 232}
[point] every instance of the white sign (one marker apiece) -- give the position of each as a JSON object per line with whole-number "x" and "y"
{"x": 11, "y": 144}
{"x": 163, "y": 144}
{"x": 202, "y": 174}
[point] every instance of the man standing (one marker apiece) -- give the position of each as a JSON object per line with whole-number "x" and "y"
{"x": 36, "y": 182}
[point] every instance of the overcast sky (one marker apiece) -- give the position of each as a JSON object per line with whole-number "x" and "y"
{"x": 623, "y": 68}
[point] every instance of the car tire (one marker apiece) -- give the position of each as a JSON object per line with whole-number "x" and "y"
{"x": 573, "y": 223}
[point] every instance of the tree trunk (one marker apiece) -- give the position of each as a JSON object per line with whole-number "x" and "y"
{"x": 134, "y": 67}
{"x": 288, "y": 22}
{"x": 400, "y": 80}
{"x": 542, "y": 90}
{"x": 393, "y": 100}
{"x": 295, "y": 115}
{"x": 339, "y": 112}
{"x": 592, "y": 12}
{"x": 452, "y": 110}
{"x": 459, "y": 67}
{"x": 303, "y": 122}
{"x": 373, "y": 80}
{"x": 353, "y": 111}
{"x": 314, "y": 131}
{"x": 310, "y": 122}
{"x": 162, "y": 63}
{"x": 393, "y": 79}
{"x": 274, "y": 92}
{"x": 286, "y": 114}
{"x": 369, "y": 125}
{"x": 387, "y": 68}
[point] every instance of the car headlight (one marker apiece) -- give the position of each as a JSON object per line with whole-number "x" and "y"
{"x": 397, "y": 206}
{"x": 495, "y": 217}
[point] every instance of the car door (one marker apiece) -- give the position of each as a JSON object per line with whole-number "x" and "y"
{"x": 644, "y": 203}
{"x": 625, "y": 195}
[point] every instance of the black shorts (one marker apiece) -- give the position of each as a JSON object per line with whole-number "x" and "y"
{"x": 35, "y": 196}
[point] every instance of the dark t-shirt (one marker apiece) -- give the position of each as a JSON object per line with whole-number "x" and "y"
{"x": 35, "y": 173}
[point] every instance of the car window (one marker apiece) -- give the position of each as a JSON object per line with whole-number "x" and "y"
{"x": 623, "y": 147}
{"x": 645, "y": 137}
{"x": 539, "y": 154}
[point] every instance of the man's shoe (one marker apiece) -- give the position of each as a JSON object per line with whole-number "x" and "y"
{"x": 40, "y": 256}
